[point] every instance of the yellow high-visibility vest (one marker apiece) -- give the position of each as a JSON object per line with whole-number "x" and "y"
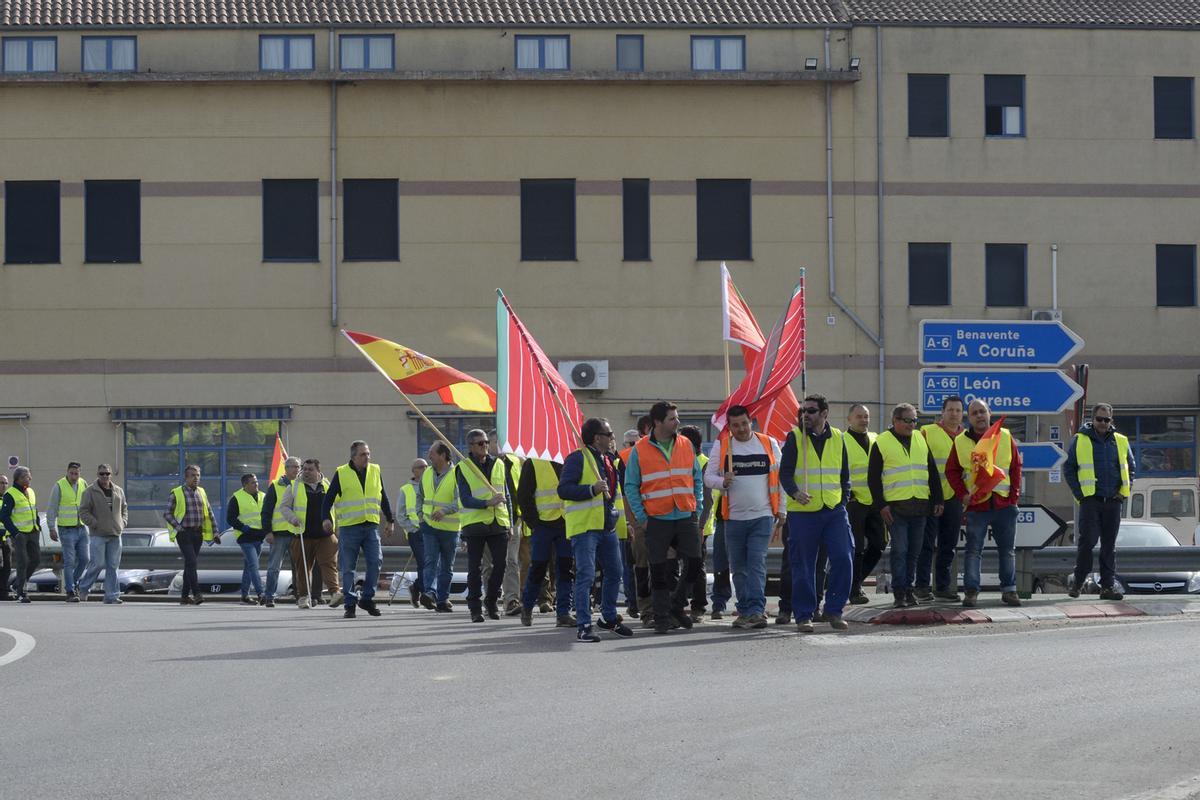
{"x": 1085, "y": 456}
{"x": 905, "y": 472}
{"x": 207, "y": 527}
{"x": 857, "y": 458}
{"x": 480, "y": 491}
{"x": 940, "y": 444}
{"x": 68, "y": 502}
{"x": 824, "y": 473}
{"x": 24, "y": 513}
{"x": 440, "y": 497}
{"x": 300, "y": 504}
{"x": 409, "y": 490}
{"x": 249, "y": 510}
{"x": 585, "y": 515}
{"x": 357, "y": 503}
{"x": 545, "y": 492}
{"x": 278, "y": 523}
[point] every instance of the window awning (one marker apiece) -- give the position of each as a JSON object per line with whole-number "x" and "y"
{"x": 201, "y": 414}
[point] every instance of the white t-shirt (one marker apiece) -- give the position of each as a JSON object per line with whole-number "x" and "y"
{"x": 749, "y": 495}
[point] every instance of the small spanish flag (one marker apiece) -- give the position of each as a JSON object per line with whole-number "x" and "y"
{"x": 277, "y": 458}
{"x": 983, "y": 463}
{"x": 415, "y": 373}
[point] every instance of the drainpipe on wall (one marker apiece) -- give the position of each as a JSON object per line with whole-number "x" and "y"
{"x": 333, "y": 192}
{"x": 879, "y": 212}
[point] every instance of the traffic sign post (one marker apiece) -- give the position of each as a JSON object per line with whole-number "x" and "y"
{"x": 996, "y": 343}
{"x": 1040, "y": 456}
{"x": 1006, "y": 391}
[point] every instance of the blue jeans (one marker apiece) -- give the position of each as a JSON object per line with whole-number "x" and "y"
{"x": 363, "y": 536}
{"x": 1003, "y": 522}
{"x": 746, "y": 541}
{"x": 281, "y": 548}
{"x": 544, "y": 543}
{"x": 807, "y": 531}
{"x": 437, "y": 564}
{"x": 416, "y": 543}
{"x": 105, "y": 555}
{"x": 75, "y": 555}
{"x": 941, "y": 537}
{"x": 250, "y": 558}
{"x": 720, "y": 565}
{"x": 588, "y": 547}
{"x": 908, "y": 534}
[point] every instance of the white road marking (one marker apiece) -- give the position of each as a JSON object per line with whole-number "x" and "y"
{"x": 1184, "y": 790}
{"x": 23, "y": 647}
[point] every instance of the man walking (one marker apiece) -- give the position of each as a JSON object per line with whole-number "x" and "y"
{"x": 301, "y": 505}
{"x": 5, "y": 550}
{"x": 437, "y": 499}
{"x": 190, "y": 519}
{"x": 665, "y": 488}
{"x": 640, "y": 605}
{"x": 274, "y": 524}
{"x": 996, "y": 509}
{"x": 906, "y": 486}
{"x": 870, "y": 536}
{"x": 587, "y": 488}
{"x": 408, "y": 517}
{"x": 62, "y": 519}
{"x": 542, "y": 508}
{"x": 746, "y": 473}
{"x": 18, "y": 514}
{"x": 513, "y": 574}
{"x": 244, "y": 513}
{"x": 104, "y": 511}
{"x": 483, "y": 493}
{"x": 358, "y": 496}
{"x": 1099, "y": 470}
{"x": 941, "y": 533}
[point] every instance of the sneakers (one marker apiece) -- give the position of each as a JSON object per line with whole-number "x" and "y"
{"x": 697, "y": 616}
{"x": 632, "y": 610}
{"x": 544, "y": 608}
{"x": 565, "y": 621}
{"x": 662, "y": 626}
{"x": 116, "y": 601}
{"x": 783, "y": 618}
{"x": 1111, "y": 594}
{"x": 838, "y": 624}
{"x": 513, "y": 608}
{"x": 741, "y": 621}
{"x": 923, "y": 594}
{"x": 73, "y": 598}
{"x": 970, "y": 598}
{"x": 23, "y": 598}
{"x": 427, "y": 602}
{"x": 197, "y": 599}
{"x": 349, "y": 613}
{"x": 616, "y": 627}
{"x": 804, "y": 625}
{"x": 269, "y": 602}
{"x": 336, "y": 599}
{"x": 681, "y": 619}
{"x": 819, "y": 617}
{"x": 758, "y": 621}
{"x": 1073, "y": 590}
{"x": 414, "y": 596}
{"x": 185, "y": 601}
{"x": 1010, "y": 599}
{"x": 946, "y": 595}
{"x": 898, "y": 602}
{"x": 648, "y": 620}
{"x": 476, "y": 616}
{"x": 527, "y": 617}
{"x": 247, "y": 600}
{"x": 368, "y": 605}
{"x": 715, "y": 615}
{"x": 859, "y": 599}
{"x": 443, "y": 608}
{"x": 586, "y": 634}
{"x": 489, "y": 607}
{"x": 910, "y": 599}
{"x": 304, "y": 602}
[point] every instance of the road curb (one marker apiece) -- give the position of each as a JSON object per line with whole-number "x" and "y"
{"x": 1064, "y": 612}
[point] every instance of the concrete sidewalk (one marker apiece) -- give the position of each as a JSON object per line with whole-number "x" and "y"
{"x": 1042, "y": 607}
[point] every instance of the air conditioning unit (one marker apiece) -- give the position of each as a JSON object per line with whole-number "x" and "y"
{"x": 584, "y": 374}
{"x": 1047, "y": 314}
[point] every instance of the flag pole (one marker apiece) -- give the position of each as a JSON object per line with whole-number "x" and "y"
{"x": 804, "y": 378}
{"x": 437, "y": 431}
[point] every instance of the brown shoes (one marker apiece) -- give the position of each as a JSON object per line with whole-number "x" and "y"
{"x": 1010, "y": 599}
{"x": 970, "y": 598}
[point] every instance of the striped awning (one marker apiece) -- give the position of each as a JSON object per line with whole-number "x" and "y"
{"x": 201, "y": 414}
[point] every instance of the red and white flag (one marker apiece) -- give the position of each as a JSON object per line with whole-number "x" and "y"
{"x": 780, "y": 361}
{"x": 529, "y": 422}
{"x": 778, "y": 416}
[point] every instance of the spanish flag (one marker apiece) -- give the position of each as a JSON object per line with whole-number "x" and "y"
{"x": 277, "y": 458}
{"x": 983, "y": 463}
{"x": 414, "y": 373}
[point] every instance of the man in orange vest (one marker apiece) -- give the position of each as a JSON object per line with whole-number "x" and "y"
{"x": 665, "y": 490}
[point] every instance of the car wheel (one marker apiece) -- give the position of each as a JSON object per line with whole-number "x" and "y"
{"x": 135, "y": 588}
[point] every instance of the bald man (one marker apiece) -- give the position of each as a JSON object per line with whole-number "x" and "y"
{"x": 407, "y": 514}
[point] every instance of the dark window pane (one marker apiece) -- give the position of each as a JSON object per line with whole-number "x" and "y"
{"x": 290, "y": 220}
{"x": 1176, "y": 269}
{"x": 928, "y": 274}
{"x": 928, "y": 105}
{"x": 372, "y": 226}
{"x": 151, "y": 462}
{"x": 112, "y": 222}
{"x": 1004, "y": 103}
{"x": 240, "y": 461}
{"x": 202, "y": 432}
{"x": 1173, "y": 113}
{"x": 548, "y": 220}
{"x": 257, "y": 433}
{"x": 1005, "y": 275}
{"x": 629, "y": 53}
{"x": 31, "y": 222}
{"x": 723, "y": 220}
{"x": 635, "y": 196}
{"x": 146, "y": 434}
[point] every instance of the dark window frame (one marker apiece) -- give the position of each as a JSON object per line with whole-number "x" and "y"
{"x": 717, "y": 53}
{"x": 108, "y": 40}
{"x": 367, "y": 38}
{"x": 90, "y": 255}
{"x": 1021, "y": 134}
{"x": 641, "y": 40}
{"x": 533, "y": 248}
{"x": 713, "y": 250}
{"x": 945, "y": 80}
{"x": 287, "y": 39}
{"x": 1161, "y": 253}
{"x": 28, "y": 40}
{"x": 921, "y": 280}
{"x": 987, "y": 269}
{"x": 315, "y": 258}
{"x": 541, "y": 40}
{"x": 12, "y": 219}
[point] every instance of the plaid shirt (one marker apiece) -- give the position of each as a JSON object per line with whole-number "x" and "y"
{"x": 193, "y": 510}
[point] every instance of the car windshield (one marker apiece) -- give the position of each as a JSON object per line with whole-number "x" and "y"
{"x": 135, "y": 539}
{"x": 1145, "y": 536}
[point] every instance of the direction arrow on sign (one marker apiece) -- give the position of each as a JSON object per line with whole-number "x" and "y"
{"x": 1040, "y": 456}
{"x": 997, "y": 343}
{"x": 1036, "y": 526}
{"x": 1006, "y": 391}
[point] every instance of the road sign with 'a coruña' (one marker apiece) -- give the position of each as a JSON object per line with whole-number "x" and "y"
{"x": 1006, "y": 391}
{"x": 996, "y": 343}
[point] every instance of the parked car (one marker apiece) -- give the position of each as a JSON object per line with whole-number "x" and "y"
{"x": 146, "y": 537}
{"x": 229, "y": 582}
{"x": 130, "y": 581}
{"x": 1135, "y": 534}
{"x": 1168, "y": 501}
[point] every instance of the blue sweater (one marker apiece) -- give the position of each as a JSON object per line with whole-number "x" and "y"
{"x": 1108, "y": 470}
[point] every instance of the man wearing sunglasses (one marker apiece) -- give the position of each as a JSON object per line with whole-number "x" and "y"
{"x": 486, "y": 520}
{"x": 102, "y": 508}
{"x": 1099, "y": 470}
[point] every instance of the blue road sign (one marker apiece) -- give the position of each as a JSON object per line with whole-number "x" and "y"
{"x": 996, "y": 343}
{"x": 1006, "y": 391}
{"x": 1041, "y": 456}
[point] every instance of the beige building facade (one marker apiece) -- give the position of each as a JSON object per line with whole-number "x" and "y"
{"x": 202, "y": 346}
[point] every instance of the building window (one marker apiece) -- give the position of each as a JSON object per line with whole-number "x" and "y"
{"x": 1004, "y": 105}
{"x": 718, "y": 53}
{"x": 631, "y": 53}
{"x": 723, "y": 220}
{"x": 112, "y": 222}
{"x": 285, "y": 53}
{"x": 1173, "y": 108}
{"x": 1176, "y": 273}
{"x": 454, "y": 427}
{"x": 109, "y": 53}
{"x": 543, "y": 52}
{"x": 31, "y": 54}
{"x": 290, "y": 220}
{"x": 548, "y": 220}
{"x": 1005, "y": 277}
{"x": 929, "y": 105}
{"x": 31, "y": 222}
{"x": 928, "y": 274}
{"x": 157, "y": 452}
{"x": 1164, "y": 446}
{"x": 635, "y": 213}
{"x": 371, "y": 208}
{"x": 368, "y": 52}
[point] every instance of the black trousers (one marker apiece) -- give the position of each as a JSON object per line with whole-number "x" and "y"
{"x": 189, "y": 541}
{"x": 870, "y": 538}
{"x": 661, "y": 536}
{"x": 495, "y": 539}
{"x": 700, "y": 584}
{"x": 5, "y": 567}
{"x": 27, "y": 553}
{"x": 1099, "y": 520}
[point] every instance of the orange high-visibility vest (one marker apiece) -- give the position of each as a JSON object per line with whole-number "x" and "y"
{"x": 772, "y": 473}
{"x": 667, "y": 487}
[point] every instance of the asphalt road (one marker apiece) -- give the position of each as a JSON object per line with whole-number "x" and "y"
{"x": 154, "y": 700}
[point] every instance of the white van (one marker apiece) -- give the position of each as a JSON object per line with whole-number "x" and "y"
{"x": 1171, "y": 502}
